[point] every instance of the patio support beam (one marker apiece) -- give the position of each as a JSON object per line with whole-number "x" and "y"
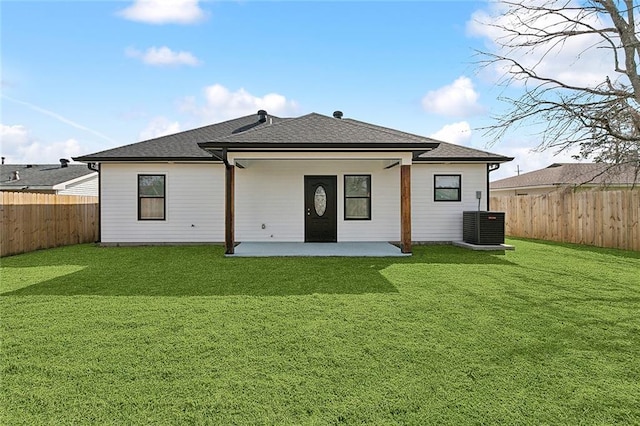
{"x": 405, "y": 208}
{"x": 229, "y": 222}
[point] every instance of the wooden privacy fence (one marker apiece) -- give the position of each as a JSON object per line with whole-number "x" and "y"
{"x": 33, "y": 221}
{"x": 597, "y": 218}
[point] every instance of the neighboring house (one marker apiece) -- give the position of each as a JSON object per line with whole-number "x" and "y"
{"x": 305, "y": 179}
{"x": 62, "y": 179}
{"x": 567, "y": 176}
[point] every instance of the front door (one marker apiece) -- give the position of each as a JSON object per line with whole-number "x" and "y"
{"x": 320, "y": 209}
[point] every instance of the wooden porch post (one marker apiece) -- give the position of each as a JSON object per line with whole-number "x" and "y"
{"x": 405, "y": 208}
{"x": 229, "y": 222}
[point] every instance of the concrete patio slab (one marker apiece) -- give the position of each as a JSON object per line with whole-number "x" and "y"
{"x": 341, "y": 249}
{"x": 484, "y": 247}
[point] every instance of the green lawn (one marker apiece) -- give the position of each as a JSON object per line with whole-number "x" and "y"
{"x": 548, "y": 334}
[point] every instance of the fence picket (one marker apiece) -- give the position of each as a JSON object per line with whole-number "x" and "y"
{"x": 599, "y": 218}
{"x": 31, "y": 221}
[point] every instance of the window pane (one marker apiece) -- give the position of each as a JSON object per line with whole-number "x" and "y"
{"x": 447, "y": 194}
{"x": 151, "y": 208}
{"x": 151, "y": 186}
{"x": 320, "y": 200}
{"x": 356, "y": 186}
{"x": 447, "y": 181}
{"x": 356, "y": 208}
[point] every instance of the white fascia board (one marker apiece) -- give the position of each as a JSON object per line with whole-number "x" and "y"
{"x": 63, "y": 185}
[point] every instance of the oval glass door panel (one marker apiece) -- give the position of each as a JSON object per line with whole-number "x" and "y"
{"x": 320, "y": 200}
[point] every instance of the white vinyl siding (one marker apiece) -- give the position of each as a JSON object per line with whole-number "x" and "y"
{"x": 194, "y": 204}
{"x": 88, "y": 186}
{"x": 442, "y": 221}
{"x": 271, "y": 193}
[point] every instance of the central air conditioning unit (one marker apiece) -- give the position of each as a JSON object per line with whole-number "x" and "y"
{"x": 483, "y": 228}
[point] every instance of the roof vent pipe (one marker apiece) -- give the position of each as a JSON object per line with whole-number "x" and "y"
{"x": 262, "y": 116}
{"x": 64, "y": 162}
{"x": 337, "y": 114}
{"x": 15, "y": 175}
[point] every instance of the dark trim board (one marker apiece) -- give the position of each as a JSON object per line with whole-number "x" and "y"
{"x": 91, "y": 159}
{"x": 427, "y": 160}
{"x": 486, "y": 190}
{"x": 235, "y": 146}
{"x": 99, "y": 203}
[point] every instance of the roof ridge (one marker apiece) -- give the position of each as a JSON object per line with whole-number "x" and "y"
{"x": 196, "y": 129}
{"x": 348, "y": 121}
{"x": 263, "y": 128}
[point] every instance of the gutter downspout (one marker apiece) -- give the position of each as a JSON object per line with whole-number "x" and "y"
{"x": 96, "y": 168}
{"x": 490, "y": 168}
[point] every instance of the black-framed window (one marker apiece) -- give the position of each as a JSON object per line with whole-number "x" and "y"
{"x": 357, "y": 197}
{"x": 151, "y": 197}
{"x": 447, "y": 188}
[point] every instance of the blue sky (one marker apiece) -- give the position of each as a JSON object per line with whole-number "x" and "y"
{"x": 84, "y": 76}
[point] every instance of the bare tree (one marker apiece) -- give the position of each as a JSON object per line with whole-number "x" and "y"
{"x": 600, "y": 117}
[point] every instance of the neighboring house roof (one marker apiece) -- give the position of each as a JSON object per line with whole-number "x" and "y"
{"x": 41, "y": 176}
{"x": 571, "y": 174}
{"x": 311, "y": 131}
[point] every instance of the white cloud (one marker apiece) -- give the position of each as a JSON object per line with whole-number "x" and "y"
{"x": 164, "y": 12}
{"x": 13, "y": 135}
{"x": 576, "y": 61}
{"x": 458, "y": 133}
{"x": 458, "y": 99}
{"x": 222, "y": 104}
{"x": 19, "y": 146}
{"x": 163, "y": 56}
{"x": 159, "y": 126}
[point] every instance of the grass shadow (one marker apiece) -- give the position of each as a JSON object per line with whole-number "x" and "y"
{"x": 204, "y": 271}
{"x": 628, "y": 254}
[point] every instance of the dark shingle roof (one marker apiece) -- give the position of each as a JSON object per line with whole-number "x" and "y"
{"x": 42, "y": 176}
{"x": 572, "y": 174}
{"x": 314, "y": 129}
{"x": 308, "y": 131}
{"x": 445, "y": 151}
{"x": 449, "y": 151}
{"x": 182, "y": 145}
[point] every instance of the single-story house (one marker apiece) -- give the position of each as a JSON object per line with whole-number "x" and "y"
{"x": 62, "y": 179}
{"x": 568, "y": 176}
{"x": 312, "y": 178}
